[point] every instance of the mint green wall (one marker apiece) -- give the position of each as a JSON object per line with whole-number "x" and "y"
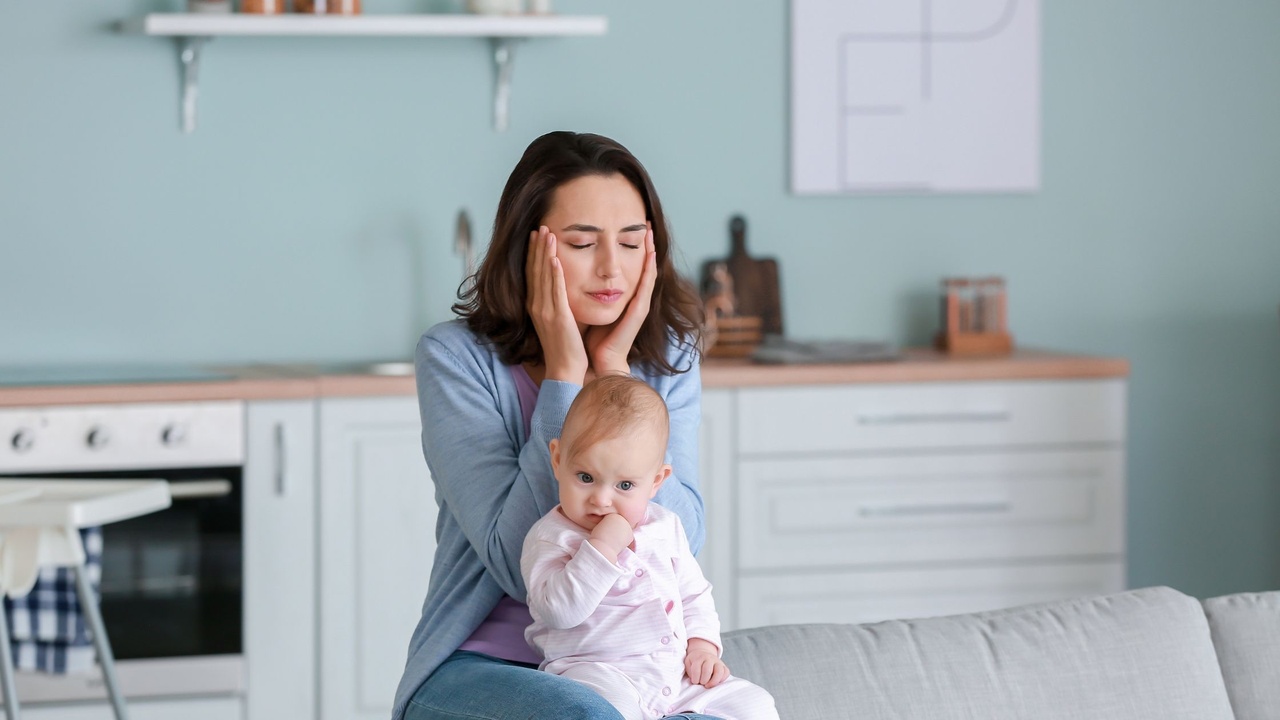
{"x": 326, "y": 173}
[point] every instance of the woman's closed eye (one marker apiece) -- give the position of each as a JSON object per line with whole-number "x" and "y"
{"x": 633, "y": 238}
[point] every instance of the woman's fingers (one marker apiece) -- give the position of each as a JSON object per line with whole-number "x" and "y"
{"x": 559, "y": 295}
{"x": 563, "y": 353}
{"x": 533, "y": 267}
{"x": 538, "y": 274}
{"x": 638, "y": 310}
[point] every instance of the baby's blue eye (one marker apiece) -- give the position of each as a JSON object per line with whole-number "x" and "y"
{"x": 585, "y": 478}
{"x": 626, "y": 485}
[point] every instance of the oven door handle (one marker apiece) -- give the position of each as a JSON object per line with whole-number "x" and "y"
{"x": 198, "y": 489}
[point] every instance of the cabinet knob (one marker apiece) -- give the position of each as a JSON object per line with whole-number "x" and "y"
{"x": 173, "y": 435}
{"x": 23, "y": 440}
{"x": 97, "y": 438}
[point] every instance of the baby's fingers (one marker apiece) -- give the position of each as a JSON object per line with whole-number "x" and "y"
{"x": 719, "y": 673}
{"x": 697, "y": 670}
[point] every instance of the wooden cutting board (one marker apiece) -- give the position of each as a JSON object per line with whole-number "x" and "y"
{"x": 755, "y": 280}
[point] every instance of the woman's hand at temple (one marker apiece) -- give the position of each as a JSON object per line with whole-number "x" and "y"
{"x": 563, "y": 353}
{"x": 609, "y": 345}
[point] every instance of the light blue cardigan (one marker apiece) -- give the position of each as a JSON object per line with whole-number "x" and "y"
{"x": 492, "y": 483}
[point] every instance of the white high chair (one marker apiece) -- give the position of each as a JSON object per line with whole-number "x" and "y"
{"x": 40, "y": 521}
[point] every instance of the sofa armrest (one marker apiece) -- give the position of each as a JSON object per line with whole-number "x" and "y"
{"x": 1246, "y": 635}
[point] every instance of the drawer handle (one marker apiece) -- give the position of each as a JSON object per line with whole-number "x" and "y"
{"x": 958, "y": 508}
{"x": 997, "y": 416}
{"x": 198, "y": 489}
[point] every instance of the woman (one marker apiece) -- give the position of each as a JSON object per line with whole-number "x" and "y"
{"x": 578, "y": 282}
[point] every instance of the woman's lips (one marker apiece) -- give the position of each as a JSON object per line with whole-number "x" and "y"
{"x": 606, "y": 296}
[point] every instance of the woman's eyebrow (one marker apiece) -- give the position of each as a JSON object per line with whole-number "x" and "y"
{"x": 582, "y": 227}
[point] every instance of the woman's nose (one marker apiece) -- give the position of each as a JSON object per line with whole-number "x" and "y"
{"x": 607, "y": 260}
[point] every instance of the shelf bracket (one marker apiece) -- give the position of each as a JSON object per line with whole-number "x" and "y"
{"x": 503, "y": 57}
{"x": 189, "y": 54}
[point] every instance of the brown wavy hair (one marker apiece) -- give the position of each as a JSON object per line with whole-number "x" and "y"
{"x": 492, "y": 302}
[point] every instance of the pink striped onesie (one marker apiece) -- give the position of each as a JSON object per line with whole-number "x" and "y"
{"x": 623, "y": 629}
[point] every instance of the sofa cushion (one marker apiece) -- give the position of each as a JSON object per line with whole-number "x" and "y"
{"x": 1246, "y": 632}
{"x": 1135, "y": 655}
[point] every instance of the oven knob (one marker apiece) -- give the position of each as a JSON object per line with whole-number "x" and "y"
{"x": 173, "y": 435}
{"x": 23, "y": 440}
{"x": 97, "y": 438}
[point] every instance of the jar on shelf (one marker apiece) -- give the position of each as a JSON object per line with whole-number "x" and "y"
{"x": 327, "y": 7}
{"x": 495, "y": 7}
{"x": 214, "y": 7}
{"x": 262, "y": 7}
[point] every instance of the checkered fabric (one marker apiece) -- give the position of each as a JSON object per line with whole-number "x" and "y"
{"x": 47, "y": 630}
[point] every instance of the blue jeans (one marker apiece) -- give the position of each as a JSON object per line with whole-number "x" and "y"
{"x": 479, "y": 687}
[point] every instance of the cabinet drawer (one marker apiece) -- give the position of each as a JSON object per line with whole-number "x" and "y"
{"x": 225, "y": 708}
{"x": 878, "y": 417}
{"x": 843, "y": 512}
{"x": 872, "y": 596}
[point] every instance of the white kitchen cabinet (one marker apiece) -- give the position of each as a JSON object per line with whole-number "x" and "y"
{"x": 715, "y": 476}
{"x": 859, "y": 502}
{"x": 280, "y": 562}
{"x": 377, "y": 542}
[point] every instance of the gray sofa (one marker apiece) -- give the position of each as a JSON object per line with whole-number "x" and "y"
{"x": 1153, "y": 654}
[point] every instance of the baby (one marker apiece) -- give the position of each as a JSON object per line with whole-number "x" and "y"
{"x": 618, "y": 601}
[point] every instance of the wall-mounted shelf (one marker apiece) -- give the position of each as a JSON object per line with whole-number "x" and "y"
{"x": 193, "y": 30}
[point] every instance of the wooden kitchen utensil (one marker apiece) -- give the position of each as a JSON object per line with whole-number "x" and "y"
{"x": 755, "y": 280}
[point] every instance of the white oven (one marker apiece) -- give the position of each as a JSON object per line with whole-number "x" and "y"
{"x": 172, "y": 582}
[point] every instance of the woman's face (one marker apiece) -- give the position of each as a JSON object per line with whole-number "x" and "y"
{"x": 599, "y": 225}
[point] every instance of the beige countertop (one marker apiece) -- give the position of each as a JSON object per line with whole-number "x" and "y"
{"x": 282, "y": 382}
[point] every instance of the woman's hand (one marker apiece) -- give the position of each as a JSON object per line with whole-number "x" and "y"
{"x": 609, "y": 345}
{"x": 563, "y": 353}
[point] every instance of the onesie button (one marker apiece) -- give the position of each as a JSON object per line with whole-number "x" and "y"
{"x": 666, "y": 691}
{"x": 665, "y": 640}
{"x": 639, "y": 573}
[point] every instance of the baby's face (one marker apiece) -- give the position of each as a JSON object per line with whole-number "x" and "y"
{"x": 618, "y": 476}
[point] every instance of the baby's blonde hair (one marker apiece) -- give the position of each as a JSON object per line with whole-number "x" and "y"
{"x": 608, "y": 407}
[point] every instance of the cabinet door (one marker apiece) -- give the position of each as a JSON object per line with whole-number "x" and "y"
{"x": 377, "y": 539}
{"x": 715, "y": 475}
{"x": 280, "y": 560}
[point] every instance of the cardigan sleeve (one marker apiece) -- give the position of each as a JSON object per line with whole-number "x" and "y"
{"x": 494, "y": 488}
{"x": 683, "y": 394}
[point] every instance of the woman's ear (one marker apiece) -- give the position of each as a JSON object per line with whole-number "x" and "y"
{"x": 658, "y": 479}
{"x": 554, "y": 447}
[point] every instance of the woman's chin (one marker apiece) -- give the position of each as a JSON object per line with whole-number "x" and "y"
{"x": 600, "y": 316}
